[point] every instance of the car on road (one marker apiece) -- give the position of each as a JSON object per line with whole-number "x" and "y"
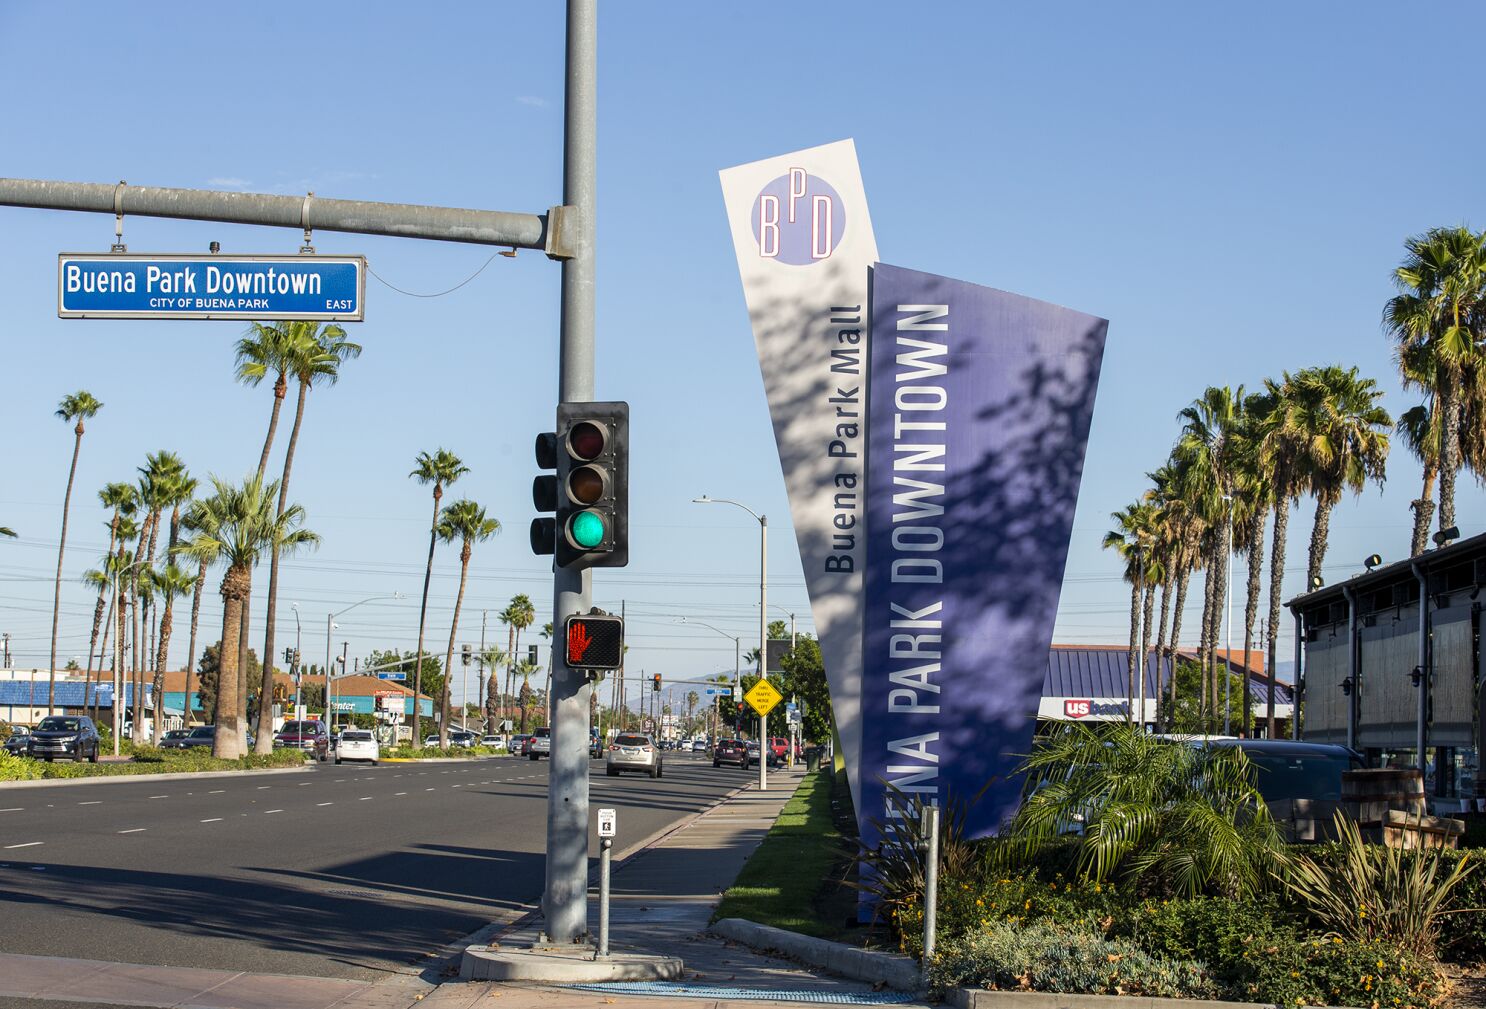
{"x": 540, "y": 745}
{"x": 731, "y": 751}
{"x": 595, "y": 746}
{"x": 753, "y": 750}
{"x": 71, "y": 736}
{"x": 698, "y": 746}
{"x": 310, "y": 736}
{"x": 631, "y": 751}
{"x": 357, "y": 744}
{"x": 778, "y": 748}
{"x": 201, "y": 735}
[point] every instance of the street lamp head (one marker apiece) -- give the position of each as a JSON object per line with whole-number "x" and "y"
{"x": 1373, "y": 560}
{"x": 704, "y": 499}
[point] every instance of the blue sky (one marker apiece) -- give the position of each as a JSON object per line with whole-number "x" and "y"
{"x": 1229, "y": 186}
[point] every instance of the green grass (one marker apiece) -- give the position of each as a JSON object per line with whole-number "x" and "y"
{"x": 782, "y": 883}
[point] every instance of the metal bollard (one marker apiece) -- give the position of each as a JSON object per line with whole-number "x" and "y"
{"x": 931, "y": 880}
{"x": 604, "y": 849}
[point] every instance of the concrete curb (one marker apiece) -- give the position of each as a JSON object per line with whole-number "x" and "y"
{"x": 114, "y": 779}
{"x": 566, "y": 965}
{"x": 890, "y": 969}
{"x": 981, "y": 998}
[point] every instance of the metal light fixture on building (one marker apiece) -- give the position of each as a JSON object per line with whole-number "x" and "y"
{"x": 1446, "y": 535}
{"x": 1373, "y": 561}
{"x": 1317, "y": 581}
{"x": 1347, "y": 686}
{"x": 1416, "y": 675}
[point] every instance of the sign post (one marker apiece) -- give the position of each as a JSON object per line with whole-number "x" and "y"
{"x": 608, "y": 827}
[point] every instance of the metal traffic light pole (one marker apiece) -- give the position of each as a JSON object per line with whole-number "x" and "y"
{"x": 565, "y": 899}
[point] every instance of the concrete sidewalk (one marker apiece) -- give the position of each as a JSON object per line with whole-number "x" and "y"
{"x": 662, "y": 901}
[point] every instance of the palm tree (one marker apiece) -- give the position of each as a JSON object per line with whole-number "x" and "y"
{"x": 1253, "y": 494}
{"x": 191, "y": 522}
{"x": 121, "y": 498}
{"x": 1441, "y": 310}
{"x": 441, "y": 468}
{"x": 517, "y": 616}
{"x": 161, "y": 483}
{"x": 1132, "y": 539}
{"x": 237, "y": 525}
{"x": 313, "y": 354}
{"x": 74, "y": 409}
{"x": 171, "y": 583}
{"x": 1419, "y": 427}
{"x": 266, "y": 350}
{"x": 492, "y": 659}
{"x": 524, "y": 669}
{"x": 466, "y": 522}
{"x": 1348, "y": 447}
{"x": 1207, "y": 450}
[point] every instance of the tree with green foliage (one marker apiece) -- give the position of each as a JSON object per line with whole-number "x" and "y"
{"x": 1188, "y": 818}
{"x": 1184, "y": 711}
{"x": 439, "y": 468}
{"x": 464, "y": 522}
{"x": 73, "y": 409}
{"x": 805, "y": 680}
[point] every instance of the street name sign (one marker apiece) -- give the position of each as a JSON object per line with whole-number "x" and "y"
{"x": 762, "y": 697}
{"x": 210, "y": 286}
{"x": 399, "y": 677}
{"x": 719, "y": 691}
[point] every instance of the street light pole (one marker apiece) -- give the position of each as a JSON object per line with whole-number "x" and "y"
{"x": 330, "y": 626}
{"x": 295, "y": 666}
{"x": 763, "y": 623}
{"x": 118, "y": 724}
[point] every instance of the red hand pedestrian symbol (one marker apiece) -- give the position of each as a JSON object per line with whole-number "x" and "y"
{"x": 578, "y": 642}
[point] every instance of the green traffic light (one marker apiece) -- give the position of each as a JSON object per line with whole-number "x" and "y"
{"x": 587, "y": 530}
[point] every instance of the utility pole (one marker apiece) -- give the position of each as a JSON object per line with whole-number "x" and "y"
{"x": 565, "y": 900}
{"x": 484, "y": 720}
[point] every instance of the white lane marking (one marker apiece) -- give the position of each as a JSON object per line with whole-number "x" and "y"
{"x": 92, "y": 802}
{"x": 215, "y": 791}
{"x": 325, "y": 804}
{"x": 267, "y": 811}
{"x": 455, "y": 786}
{"x": 214, "y": 819}
{"x": 340, "y": 779}
{"x": 428, "y": 790}
{"x": 399, "y": 793}
{"x": 363, "y": 798}
{"x": 302, "y": 784}
{"x": 14, "y": 809}
{"x": 135, "y": 830}
{"x": 159, "y": 797}
{"x": 262, "y": 787}
{"x": 28, "y": 844}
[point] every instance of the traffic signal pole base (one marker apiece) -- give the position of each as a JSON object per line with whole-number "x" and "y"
{"x": 571, "y": 964}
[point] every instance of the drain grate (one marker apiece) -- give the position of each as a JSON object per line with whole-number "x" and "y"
{"x": 679, "y": 990}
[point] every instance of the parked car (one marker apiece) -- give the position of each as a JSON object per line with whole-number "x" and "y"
{"x": 201, "y": 735}
{"x": 72, "y": 736}
{"x": 463, "y": 737}
{"x": 1301, "y": 782}
{"x": 15, "y": 744}
{"x": 173, "y": 734}
{"x": 310, "y": 736}
{"x": 731, "y": 751}
{"x": 357, "y": 744}
{"x": 633, "y": 752}
{"x": 489, "y": 739}
{"x": 540, "y": 745}
{"x": 778, "y": 748}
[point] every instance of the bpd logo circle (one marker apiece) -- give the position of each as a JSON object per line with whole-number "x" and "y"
{"x": 798, "y": 219}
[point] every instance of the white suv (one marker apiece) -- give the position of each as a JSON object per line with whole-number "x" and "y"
{"x": 541, "y": 744}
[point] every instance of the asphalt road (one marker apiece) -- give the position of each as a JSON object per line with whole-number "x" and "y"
{"x": 338, "y": 872}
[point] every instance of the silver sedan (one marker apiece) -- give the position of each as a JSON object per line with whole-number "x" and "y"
{"x": 632, "y": 752}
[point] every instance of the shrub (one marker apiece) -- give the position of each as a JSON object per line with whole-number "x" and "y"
{"x": 965, "y": 908}
{"x": 1184, "y": 818}
{"x": 1215, "y": 931}
{"x": 893, "y": 873}
{"x": 18, "y": 768}
{"x": 1462, "y": 920}
{"x": 1333, "y": 971}
{"x": 1056, "y": 958}
{"x": 1370, "y": 892}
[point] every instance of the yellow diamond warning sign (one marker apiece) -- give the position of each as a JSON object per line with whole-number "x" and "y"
{"x": 762, "y": 697}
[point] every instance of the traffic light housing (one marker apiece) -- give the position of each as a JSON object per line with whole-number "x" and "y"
{"x": 655, "y": 683}
{"x": 589, "y": 491}
{"x": 466, "y": 653}
{"x": 594, "y": 641}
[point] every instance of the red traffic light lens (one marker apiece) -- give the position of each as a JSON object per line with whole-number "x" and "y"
{"x": 586, "y": 440}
